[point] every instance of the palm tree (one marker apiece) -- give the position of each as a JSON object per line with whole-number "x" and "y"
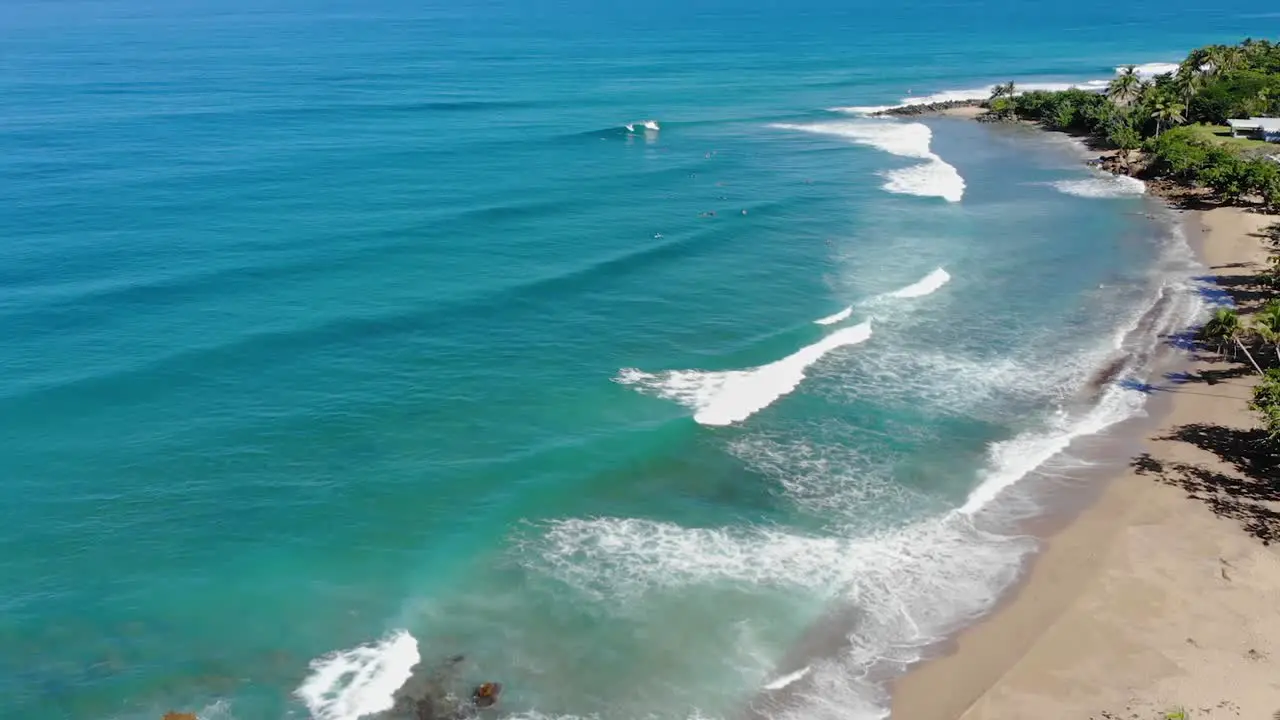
{"x": 1001, "y": 92}
{"x": 1260, "y": 104}
{"x": 1186, "y": 83}
{"x": 1224, "y": 328}
{"x": 1126, "y": 87}
{"x": 1166, "y": 111}
{"x": 1222, "y": 59}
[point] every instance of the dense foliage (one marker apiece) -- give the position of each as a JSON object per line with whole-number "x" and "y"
{"x": 1169, "y": 116}
{"x": 1266, "y": 401}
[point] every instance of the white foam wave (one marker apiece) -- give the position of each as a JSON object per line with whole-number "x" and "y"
{"x": 835, "y": 317}
{"x": 912, "y": 584}
{"x": 1174, "y": 305}
{"x": 789, "y": 678}
{"x": 925, "y": 286}
{"x": 934, "y": 178}
{"x": 1014, "y": 459}
{"x": 350, "y": 684}
{"x": 646, "y": 124}
{"x": 1150, "y": 70}
{"x": 729, "y": 396}
{"x": 1102, "y": 186}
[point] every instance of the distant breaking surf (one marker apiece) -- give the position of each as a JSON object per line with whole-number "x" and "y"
{"x": 934, "y": 178}
{"x": 1145, "y": 70}
{"x": 1103, "y": 186}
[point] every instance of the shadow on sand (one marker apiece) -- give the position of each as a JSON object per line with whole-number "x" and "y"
{"x": 1252, "y": 497}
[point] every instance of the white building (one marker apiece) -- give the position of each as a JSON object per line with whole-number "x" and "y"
{"x": 1256, "y": 128}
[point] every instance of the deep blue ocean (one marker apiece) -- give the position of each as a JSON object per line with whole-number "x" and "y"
{"x": 338, "y": 338}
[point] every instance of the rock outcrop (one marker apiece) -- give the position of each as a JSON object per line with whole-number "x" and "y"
{"x": 926, "y": 108}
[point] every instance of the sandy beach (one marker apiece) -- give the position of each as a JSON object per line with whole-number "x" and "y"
{"x": 1164, "y": 595}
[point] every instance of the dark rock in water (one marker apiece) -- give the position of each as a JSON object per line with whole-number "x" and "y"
{"x": 926, "y": 108}
{"x": 486, "y": 694}
{"x": 433, "y": 693}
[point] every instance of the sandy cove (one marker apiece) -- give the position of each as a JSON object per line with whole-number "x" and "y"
{"x": 1162, "y": 595}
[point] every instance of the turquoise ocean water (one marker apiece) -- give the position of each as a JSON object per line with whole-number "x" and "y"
{"x": 339, "y": 337}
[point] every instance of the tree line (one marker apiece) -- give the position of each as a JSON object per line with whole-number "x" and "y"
{"x": 1163, "y": 116}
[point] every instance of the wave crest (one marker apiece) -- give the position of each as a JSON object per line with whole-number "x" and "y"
{"x": 350, "y": 684}
{"x": 924, "y": 286}
{"x": 934, "y": 178}
{"x": 728, "y": 396}
{"x": 1102, "y": 186}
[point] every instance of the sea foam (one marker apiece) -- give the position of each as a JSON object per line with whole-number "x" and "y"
{"x": 933, "y": 178}
{"x": 728, "y": 396}
{"x": 924, "y": 286}
{"x": 350, "y": 684}
{"x": 1102, "y": 186}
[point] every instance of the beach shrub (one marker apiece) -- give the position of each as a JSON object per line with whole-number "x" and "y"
{"x": 1266, "y": 402}
{"x": 1262, "y": 177}
{"x": 1225, "y": 174}
{"x": 1124, "y": 137}
{"x": 1178, "y": 152}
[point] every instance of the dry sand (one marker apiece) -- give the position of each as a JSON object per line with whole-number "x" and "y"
{"x": 1162, "y": 595}
{"x": 969, "y": 112}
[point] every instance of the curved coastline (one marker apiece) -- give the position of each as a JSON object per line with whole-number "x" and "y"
{"x": 1152, "y": 554}
{"x": 1162, "y": 574}
{"x": 1153, "y": 595}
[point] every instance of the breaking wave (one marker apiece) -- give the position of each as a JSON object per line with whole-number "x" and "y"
{"x": 1102, "y": 186}
{"x": 924, "y": 286}
{"x": 933, "y": 178}
{"x": 650, "y": 125}
{"x": 834, "y": 318}
{"x": 728, "y": 396}
{"x": 350, "y": 684}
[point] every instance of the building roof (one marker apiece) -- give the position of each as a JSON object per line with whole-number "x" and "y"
{"x": 1269, "y": 125}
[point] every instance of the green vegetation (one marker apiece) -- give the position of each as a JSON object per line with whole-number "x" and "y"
{"x": 1266, "y": 401}
{"x": 1226, "y": 330}
{"x": 1177, "y": 119}
{"x": 1257, "y": 339}
{"x": 1221, "y": 135}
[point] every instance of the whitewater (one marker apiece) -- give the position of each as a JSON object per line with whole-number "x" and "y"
{"x": 628, "y": 364}
{"x": 933, "y": 178}
{"x": 893, "y": 574}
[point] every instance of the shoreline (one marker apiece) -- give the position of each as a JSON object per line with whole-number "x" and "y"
{"x": 1145, "y": 600}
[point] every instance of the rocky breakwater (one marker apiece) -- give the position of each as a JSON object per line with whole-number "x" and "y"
{"x": 927, "y": 108}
